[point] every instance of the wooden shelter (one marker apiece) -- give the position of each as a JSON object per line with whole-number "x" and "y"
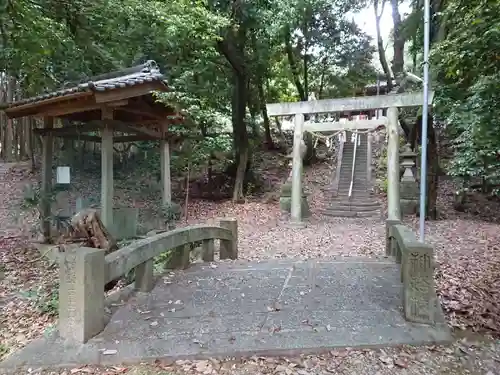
{"x": 120, "y": 101}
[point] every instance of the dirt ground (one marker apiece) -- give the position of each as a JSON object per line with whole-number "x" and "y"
{"x": 467, "y": 278}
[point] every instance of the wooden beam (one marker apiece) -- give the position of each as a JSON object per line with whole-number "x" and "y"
{"x": 146, "y": 131}
{"x": 97, "y": 138}
{"x": 78, "y": 107}
{"x": 129, "y": 92}
{"x": 144, "y": 113}
{"x": 347, "y": 125}
{"x": 74, "y": 129}
{"x": 36, "y": 108}
{"x": 410, "y": 99}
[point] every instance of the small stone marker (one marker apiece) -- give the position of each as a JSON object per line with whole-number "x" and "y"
{"x": 62, "y": 205}
{"x": 29, "y": 192}
{"x": 81, "y": 204}
{"x": 125, "y": 221}
{"x": 81, "y": 294}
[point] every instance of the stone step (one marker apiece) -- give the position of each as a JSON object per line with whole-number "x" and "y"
{"x": 341, "y": 213}
{"x": 352, "y": 207}
{"x": 356, "y": 195}
{"x": 355, "y": 187}
{"x": 356, "y": 202}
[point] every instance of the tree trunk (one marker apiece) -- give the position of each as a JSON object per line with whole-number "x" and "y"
{"x": 241, "y": 145}
{"x": 310, "y": 155}
{"x": 253, "y": 108}
{"x": 31, "y": 143}
{"x": 9, "y": 136}
{"x": 262, "y": 102}
{"x": 399, "y": 43}
{"x": 380, "y": 44}
{"x": 293, "y": 65}
{"x": 432, "y": 171}
{"x": 432, "y": 176}
{"x": 86, "y": 226}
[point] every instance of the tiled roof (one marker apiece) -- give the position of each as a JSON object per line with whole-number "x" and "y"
{"x": 147, "y": 72}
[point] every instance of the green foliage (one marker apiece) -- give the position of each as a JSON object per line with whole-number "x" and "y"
{"x": 200, "y": 45}
{"x": 468, "y": 96}
{"x": 46, "y": 302}
{"x": 384, "y": 185}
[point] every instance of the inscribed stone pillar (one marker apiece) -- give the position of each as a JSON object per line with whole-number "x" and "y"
{"x": 107, "y": 170}
{"x": 419, "y": 293}
{"x": 409, "y": 190}
{"x": 394, "y": 210}
{"x": 81, "y": 294}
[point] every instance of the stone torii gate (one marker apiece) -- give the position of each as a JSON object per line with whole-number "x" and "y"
{"x": 121, "y": 101}
{"x": 391, "y": 102}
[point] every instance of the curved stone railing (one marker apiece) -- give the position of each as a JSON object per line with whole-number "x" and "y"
{"x": 420, "y": 303}
{"x": 85, "y": 271}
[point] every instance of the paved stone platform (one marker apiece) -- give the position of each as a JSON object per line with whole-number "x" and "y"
{"x": 240, "y": 309}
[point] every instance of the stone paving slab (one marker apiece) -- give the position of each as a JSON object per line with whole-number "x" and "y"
{"x": 241, "y": 309}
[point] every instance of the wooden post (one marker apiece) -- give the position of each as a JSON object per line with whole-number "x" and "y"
{"x": 46, "y": 188}
{"x": 165, "y": 172}
{"x": 295, "y": 211}
{"x": 107, "y": 170}
{"x": 394, "y": 210}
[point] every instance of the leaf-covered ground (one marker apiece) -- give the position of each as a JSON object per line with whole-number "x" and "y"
{"x": 467, "y": 277}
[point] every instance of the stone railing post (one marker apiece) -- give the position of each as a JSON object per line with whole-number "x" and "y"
{"x": 229, "y": 248}
{"x": 408, "y": 186}
{"x": 144, "y": 276}
{"x": 390, "y": 243}
{"x": 81, "y": 294}
{"x": 419, "y": 294}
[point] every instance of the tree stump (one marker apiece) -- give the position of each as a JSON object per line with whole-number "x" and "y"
{"x": 87, "y": 229}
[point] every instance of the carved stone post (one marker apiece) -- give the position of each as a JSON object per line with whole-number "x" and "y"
{"x": 408, "y": 186}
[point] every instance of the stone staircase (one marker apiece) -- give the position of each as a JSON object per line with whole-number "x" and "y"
{"x": 361, "y": 203}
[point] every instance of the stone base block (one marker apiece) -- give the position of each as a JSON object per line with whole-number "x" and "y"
{"x": 409, "y": 190}
{"x": 409, "y": 206}
{"x": 286, "y": 205}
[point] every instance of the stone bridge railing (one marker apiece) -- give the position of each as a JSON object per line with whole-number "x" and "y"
{"x": 420, "y": 303}
{"x": 85, "y": 271}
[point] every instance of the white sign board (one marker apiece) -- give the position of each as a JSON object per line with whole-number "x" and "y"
{"x": 62, "y": 175}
